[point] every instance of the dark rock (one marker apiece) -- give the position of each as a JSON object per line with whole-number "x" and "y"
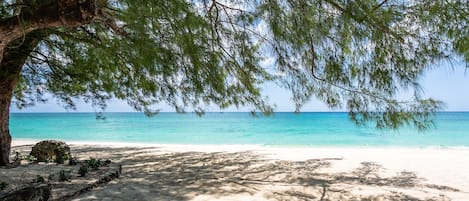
{"x": 40, "y": 192}
{"x": 51, "y": 151}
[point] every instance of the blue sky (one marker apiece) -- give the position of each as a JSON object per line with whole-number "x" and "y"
{"x": 448, "y": 84}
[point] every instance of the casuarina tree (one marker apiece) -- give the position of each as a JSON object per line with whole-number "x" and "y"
{"x": 351, "y": 54}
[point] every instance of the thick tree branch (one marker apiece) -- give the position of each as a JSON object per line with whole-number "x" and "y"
{"x": 58, "y": 13}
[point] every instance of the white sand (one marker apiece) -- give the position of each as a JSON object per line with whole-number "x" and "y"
{"x": 249, "y": 172}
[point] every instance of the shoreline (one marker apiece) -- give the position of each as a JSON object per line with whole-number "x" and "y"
{"x": 22, "y": 142}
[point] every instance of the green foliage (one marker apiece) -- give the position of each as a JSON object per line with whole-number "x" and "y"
{"x": 29, "y": 158}
{"x": 17, "y": 157}
{"x": 4, "y": 10}
{"x": 65, "y": 175}
{"x": 356, "y": 55}
{"x": 360, "y": 55}
{"x": 60, "y": 159}
{"x": 95, "y": 164}
{"x": 83, "y": 170}
{"x": 39, "y": 179}
{"x": 51, "y": 177}
{"x": 72, "y": 161}
{"x": 3, "y": 185}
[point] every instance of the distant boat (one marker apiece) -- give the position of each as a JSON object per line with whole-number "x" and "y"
{"x": 100, "y": 116}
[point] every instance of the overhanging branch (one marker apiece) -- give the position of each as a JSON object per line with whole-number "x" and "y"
{"x": 58, "y": 13}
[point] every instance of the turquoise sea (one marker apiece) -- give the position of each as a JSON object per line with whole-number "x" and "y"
{"x": 281, "y": 129}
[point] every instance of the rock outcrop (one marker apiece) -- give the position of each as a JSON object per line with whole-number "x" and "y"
{"x": 51, "y": 151}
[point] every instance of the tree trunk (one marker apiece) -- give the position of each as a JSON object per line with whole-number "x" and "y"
{"x": 19, "y": 35}
{"x": 5, "y": 137}
{"x": 10, "y": 71}
{"x": 9, "y": 76}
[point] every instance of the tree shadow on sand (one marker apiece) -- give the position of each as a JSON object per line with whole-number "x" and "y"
{"x": 208, "y": 176}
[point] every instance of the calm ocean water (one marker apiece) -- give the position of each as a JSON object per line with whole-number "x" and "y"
{"x": 282, "y": 129}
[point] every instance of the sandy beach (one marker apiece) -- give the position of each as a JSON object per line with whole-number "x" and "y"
{"x": 247, "y": 172}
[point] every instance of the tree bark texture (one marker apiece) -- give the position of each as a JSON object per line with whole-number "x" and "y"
{"x": 50, "y": 14}
{"x": 10, "y": 72}
{"x": 20, "y": 34}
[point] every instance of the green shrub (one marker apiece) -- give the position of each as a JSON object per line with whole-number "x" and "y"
{"x": 17, "y": 156}
{"x": 60, "y": 159}
{"x": 94, "y": 163}
{"x": 83, "y": 170}
{"x": 39, "y": 179}
{"x": 31, "y": 158}
{"x": 3, "y": 185}
{"x": 51, "y": 177}
{"x": 72, "y": 161}
{"x": 65, "y": 175}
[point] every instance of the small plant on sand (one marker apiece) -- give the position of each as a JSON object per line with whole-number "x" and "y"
{"x": 30, "y": 158}
{"x": 17, "y": 157}
{"x": 60, "y": 159}
{"x": 51, "y": 177}
{"x": 65, "y": 175}
{"x": 3, "y": 185}
{"x": 39, "y": 179}
{"x": 94, "y": 163}
{"x": 72, "y": 161}
{"x": 83, "y": 170}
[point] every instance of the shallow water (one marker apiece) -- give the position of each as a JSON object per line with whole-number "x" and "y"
{"x": 282, "y": 129}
